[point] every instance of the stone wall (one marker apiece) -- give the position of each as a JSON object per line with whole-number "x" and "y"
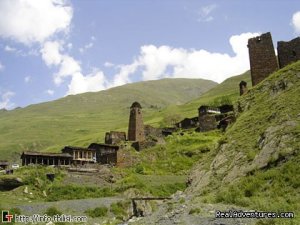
{"x": 288, "y": 52}
{"x": 136, "y": 125}
{"x": 262, "y": 57}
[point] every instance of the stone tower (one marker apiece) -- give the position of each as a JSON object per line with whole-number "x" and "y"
{"x": 263, "y": 61}
{"x": 136, "y": 125}
{"x": 288, "y": 52}
{"x": 243, "y": 87}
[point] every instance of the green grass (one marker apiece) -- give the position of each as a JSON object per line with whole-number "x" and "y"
{"x": 97, "y": 212}
{"x": 84, "y": 118}
{"x": 274, "y": 187}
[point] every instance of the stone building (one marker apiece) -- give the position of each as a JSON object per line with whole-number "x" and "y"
{"x": 211, "y": 118}
{"x": 105, "y": 153}
{"x": 136, "y": 125}
{"x": 288, "y": 52}
{"x": 115, "y": 137}
{"x": 243, "y": 87}
{"x": 188, "y": 123}
{"x": 81, "y": 156}
{"x": 44, "y": 158}
{"x": 207, "y": 119}
{"x": 4, "y": 165}
{"x": 263, "y": 61}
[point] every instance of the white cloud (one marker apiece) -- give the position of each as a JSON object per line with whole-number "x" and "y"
{"x": 122, "y": 77}
{"x": 108, "y": 64}
{"x": 50, "y": 92}
{"x": 205, "y": 13}
{"x": 51, "y": 53}
{"x": 30, "y": 21}
{"x": 7, "y": 48}
{"x": 27, "y": 79}
{"x": 95, "y": 81}
{"x": 1, "y": 66}
{"x": 165, "y": 61}
{"x": 86, "y": 47}
{"x": 296, "y": 22}
{"x": 5, "y": 102}
{"x": 70, "y": 45}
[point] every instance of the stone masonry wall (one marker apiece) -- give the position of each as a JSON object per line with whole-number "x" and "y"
{"x": 262, "y": 57}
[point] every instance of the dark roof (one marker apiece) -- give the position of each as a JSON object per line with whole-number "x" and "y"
{"x": 136, "y": 105}
{"x": 93, "y": 145}
{"x": 4, "y": 163}
{"x": 46, "y": 154}
{"x": 77, "y": 148}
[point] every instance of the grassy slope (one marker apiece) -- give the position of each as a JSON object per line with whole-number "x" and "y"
{"x": 274, "y": 111}
{"x": 82, "y": 119}
{"x": 229, "y": 88}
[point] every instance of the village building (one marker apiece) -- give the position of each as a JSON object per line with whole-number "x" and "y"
{"x": 136, "y": 125}
{"x": 105, "y": 153}
{"x": 211, "y": 118}
{"x": 188, "y": 123}
{"x": 44, "y": 158}
{"x": 81, "y": 156}
{"x": 115, "y": 137}
{"x": 4, "y": 165}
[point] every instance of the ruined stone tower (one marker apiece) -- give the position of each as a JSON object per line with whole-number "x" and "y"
{"x": 263, "y": 61}
{"x": 136, "y": 125}
{"x": 288, "y": 52}
{"x": 243, "y": 87}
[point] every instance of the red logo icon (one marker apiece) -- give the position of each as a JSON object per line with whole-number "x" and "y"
{"x": 6, "y": 217}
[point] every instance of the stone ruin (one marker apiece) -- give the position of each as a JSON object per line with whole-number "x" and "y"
{"x": 263, "y": 60}
{"x": 288, "y": 52}
{"x": 262, "y": 57}
{"x": 211, "y": 118}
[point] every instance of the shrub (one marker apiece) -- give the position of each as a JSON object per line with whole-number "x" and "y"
{"x": 97, "y": 212}
{"x": 51, "y": 211}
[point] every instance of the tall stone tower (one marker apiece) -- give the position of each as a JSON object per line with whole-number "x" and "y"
{"x": 136, "y": 125}
{"x": 263, "y": 61}
{"x": 288, "y": 52}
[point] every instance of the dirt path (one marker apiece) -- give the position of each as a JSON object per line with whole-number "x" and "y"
{"x": 75, "y": 207}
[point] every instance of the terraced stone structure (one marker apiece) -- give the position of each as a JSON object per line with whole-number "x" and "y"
{"x": 263, "y": 61}
{"x": 136, "y": 125}
{"x": 288, "y": 52}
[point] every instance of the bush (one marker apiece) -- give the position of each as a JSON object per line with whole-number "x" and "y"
{"x": 97, "y": 212}
{"x": 119, "y": 209}
{"x": 51, "y": 211}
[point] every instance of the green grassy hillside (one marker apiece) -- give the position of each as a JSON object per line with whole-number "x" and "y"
{"x": 82, "y": 119}
{"x": 228, "y": 89}
{"x": 256, "y": 164}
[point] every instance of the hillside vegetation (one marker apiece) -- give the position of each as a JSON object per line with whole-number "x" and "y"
{"x": 82, "y": 119}
{"x": 257, "y": 161}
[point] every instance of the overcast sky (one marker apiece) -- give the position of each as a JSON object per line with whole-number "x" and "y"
{"x": 53, "y": 48}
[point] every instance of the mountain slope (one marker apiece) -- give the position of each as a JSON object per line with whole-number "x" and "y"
{"x": 228, "y": 89}
{"x": 256, "y": 164}
{"x": 82, "y": 119}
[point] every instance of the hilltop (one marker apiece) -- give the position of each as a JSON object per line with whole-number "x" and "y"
{"x": 84, "y": 118}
